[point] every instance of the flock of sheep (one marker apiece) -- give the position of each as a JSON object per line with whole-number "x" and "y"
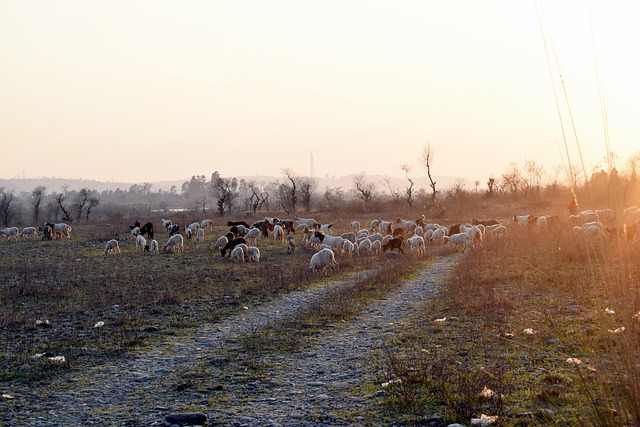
{"x": 240, "y": 243}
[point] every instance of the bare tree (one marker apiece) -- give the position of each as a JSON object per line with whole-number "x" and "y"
{"x": 491, "y": 184}
{"x": 532, "y": 176}
{"x": 37, "y": 195}
{"x": 7, "y": 208}
{"x": 334, "y": 198}
{"x": 427, "y": 162}
{"x": 93, "y": 203}
{"x": 394, "y": 191}
{"x": 409, "y": 190}
{"x": 288, "y": 191}
{"x": 226, "y": 191}
{"x": 512, "y": 181}
{"x": 364, "y": 188}
{"x": 81, "y": 201}
{"x": 308, "y": 187}
{"x": 60, "y": 199}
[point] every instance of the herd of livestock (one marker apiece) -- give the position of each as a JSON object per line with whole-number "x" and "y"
{"x": 240, "y": 242}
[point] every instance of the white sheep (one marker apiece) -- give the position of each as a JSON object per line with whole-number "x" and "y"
{"x": 459, "y": 239}
{"x": 254, "y": 253}
{"x": 200, "y": 235}
{"x": 221, "y": 242}
{"x": 334, "y": 242}
{"x": 207, "y": 224}
{"x": 278, "y": 233}
{"x": 409, "y": 227}
{"x": 322, "y": 260}
{"x": 364, "y": 248}
{"x": 194, "y": 226}
{"x": 290, "y": 243}
{"x": 362, "y": 233}
{"x": 60, "y": 229}
{"x": 325, "y": 228}
{"x": 237, "y": 254}
{"x": 309, "y": 222}
{"x": 141, "y": 242}
{"x": 583, "y": 217}
{"x": 416, "y": 244}
{"x": 252, "y": 236}
{"x": 499, "y": 231}
{"x": 166, "y": 223}
{"x": 521, "y": 220}
{"x": 29, "y": 232}
{"x": 438, "y": 236}
{"x": 176, "y": 242}
{"x": 376, "y": 247}
{"x": 187, "y": 233}
{"x": 10, "y": 233}
{"x": 348, "y": 248}
{"x": 355, "y": 225}
{"x": 153, "y": 246}
{"x": 351, "y": 236}
{"x": 112, "y": 247}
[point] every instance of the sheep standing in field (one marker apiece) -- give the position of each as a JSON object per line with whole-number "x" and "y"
{"x": 60, "y": 229}
{"x": 237, "y": 254}
{"x": 207, "y": 224}
{"x": 9, "y": 233}
{"x": 221, "y": 242}
{"x": 200, "y": 235}
{"x": 322, "y": 260}
{"x": 29, "y": 232}
{"x": 364, "y": 247}
{"x": 254, "y": 253}
{"x": 252, "y": 236}
{"x": 47, "y": 233}
{"x": 290, "y": 244}
{"x": 232, "y": 244}
{"x": 416, "y": 244}
{"x": 153, "y": 247}
{"x": 408, "y": 227}
{"x": 459, "y": 239}
{"x": 355, "y": 225}
{"x": 376, "y": 247}
{"x": 175, "y": 242}
{"x": 348, "y": 248}
{"x": 278, "y": 233}
{"x": 112, "y": 247}
{"x": 141, "y": 242}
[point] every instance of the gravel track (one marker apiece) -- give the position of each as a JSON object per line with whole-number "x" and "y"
{"x": 319, "y": 387}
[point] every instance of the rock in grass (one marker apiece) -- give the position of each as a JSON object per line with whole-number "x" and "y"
{"x": 192, "y": 418}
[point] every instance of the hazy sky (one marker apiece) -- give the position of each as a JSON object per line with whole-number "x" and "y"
{"x": 160, "y": 90}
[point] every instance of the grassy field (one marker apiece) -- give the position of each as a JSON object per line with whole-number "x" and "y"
{"x": 528, "y": 329}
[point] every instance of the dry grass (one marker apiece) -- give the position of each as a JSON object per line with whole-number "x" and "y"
{"x": 516, "y": 311}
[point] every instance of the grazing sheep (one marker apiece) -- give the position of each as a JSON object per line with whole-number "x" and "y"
{"x": 236, "y": 223}
{"x": 278, "y": 233}
{"x": 334, "y": 242}
{"x": 237, "y": 254}
{"x": 173, "y": 229}
{"x": 29, "y": 232}
{"x": 254, "y": 253}
{"x": 355, "y": 225}
{"x": 187, "y": 232}
{"x": 325, "y": 228}
{"x": 221, "y": 242}
{"x": 583, "y": 217}
{"x": 145, "y": 229}
{"x": 290, "y": 244}
{"x": 416, "y": 244}
{"x": 376, "y": 247}
{"x": 231, "y": 244}
{"x": 141, "y": 242}
{"x": 485, "y": 222}
{"x": 252, "y": 236}
{"x": 322, "y": 260}
{"x": 364, "y": 247}
{"x": 200, "y": 235}
{"x": 309, "y": 222}
{"x": 47, "y": 232}
{"x": 409, "y": 227}
{"x": 153, "y": 247}
{"x": 386, "y": 227}
{"x": 395, "y": 243}
{"x": 166, "y": 223}
{"x": 459, "y": 239}
{"x": 60, "y": 229}
{"x": 176, "y": 242}
{"x": 438, "y": 235}
{"x": 207, "y": 224}
{"x": 348, "y": 248}
{"x": 112, "y": 247}
{"x": 350, "y": 236}
{"x": 499, "y": 231}
{"x": 521, "y": 220}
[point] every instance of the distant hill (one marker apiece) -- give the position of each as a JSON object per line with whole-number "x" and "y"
{"x": 344, "y": 182}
